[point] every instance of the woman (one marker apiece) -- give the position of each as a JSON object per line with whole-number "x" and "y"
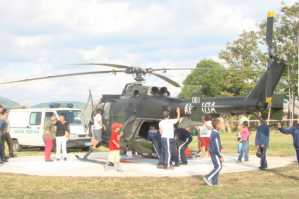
{"x": 49, "y": 136}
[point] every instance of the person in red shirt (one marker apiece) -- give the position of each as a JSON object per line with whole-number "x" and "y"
{"x": 114, "y": 146}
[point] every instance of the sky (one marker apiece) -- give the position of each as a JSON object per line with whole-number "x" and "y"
{"x": 42, "y": 37}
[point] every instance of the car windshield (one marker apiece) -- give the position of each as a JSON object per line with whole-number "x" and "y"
{"x": 71, "y": 116}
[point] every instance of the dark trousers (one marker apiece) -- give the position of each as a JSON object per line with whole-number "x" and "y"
{"x": 8, "y": 140}
{"x": 169, "y": 152}
{"x": 155, "y": 138}
{"x": 297, "y": 153}
{"x": 2, "y": 153}
{"x": 182, "y": 145}
{"x": 213, "y": 175}
{"x": 264, "y": 163}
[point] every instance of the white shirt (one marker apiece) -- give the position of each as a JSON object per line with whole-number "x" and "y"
{"x": 206, "y": 129}
{"x": 167, "y": 128}
{"x": 97, "y": 122}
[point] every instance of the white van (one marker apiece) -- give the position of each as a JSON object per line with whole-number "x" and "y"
{"x": 27, "y": 126}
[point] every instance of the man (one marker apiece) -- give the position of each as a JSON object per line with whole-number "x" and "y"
{"x": 2, "y": 130}
{"x": 155, "y": 137}
{"x": 294, "y": 131}
{"x": 215, "y": 152}
{"x": 183, "y": 138}
{"x": 62, "y": 134}
{"x": 7, "y": 137}
{"x": 262, "y": 142}
{"x": 166, "y": 127}
{"x": 97, "y": 129}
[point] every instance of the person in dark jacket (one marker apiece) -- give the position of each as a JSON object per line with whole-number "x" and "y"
{"x": 262, "y": 142}
{"x": 294, "y": 131}
{"x": 183, "y": 139}
{"x": 155, "y": 137}
{"x": 215, "y": 152}
{"x": 2, "y": 131}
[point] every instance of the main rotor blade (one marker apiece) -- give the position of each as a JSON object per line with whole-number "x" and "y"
{"x": 61, "y": 76}
{"x": 167, "y": 79}
{"x": 269, "y": 31}
{"x": 174, "y": 69}
{"x": 105, "y": 64}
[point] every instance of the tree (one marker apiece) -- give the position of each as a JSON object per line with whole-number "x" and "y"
{"x": 249, "y": 50}
{"x": 205, "y": 80}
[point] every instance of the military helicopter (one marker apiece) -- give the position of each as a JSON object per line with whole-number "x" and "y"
{"x": 139, "y": 106}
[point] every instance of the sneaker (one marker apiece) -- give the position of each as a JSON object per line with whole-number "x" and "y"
{"x": 160, "y": 166}
{"x": 57, "y": 159}
{"x": 207, "y": 181}
{"x": 65, "y": 159}
{"x": 184, "y": 163}
{"x": 49, "y": 160}
{"x": 262, "y": 168}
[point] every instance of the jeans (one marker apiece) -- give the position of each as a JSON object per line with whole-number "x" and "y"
{"x": 61, "y": 146}
{"x": 155, "y": 138}
{"x": 2, "y": 155}
{"x": 264, "y": 163}
{"x": 297, "y": 154}
{"x": 213, "y": 175}
{"x": 8, "y": 140}
{"x": 244, "y": 151}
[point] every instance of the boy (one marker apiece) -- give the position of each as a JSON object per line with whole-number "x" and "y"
{"x": 183, "y": 139}
{"x": 262, "y": 141}
{"x": 166, "y": 127}
{"x": 114, "y": 146}
{"x": 215, "y": 152}
{"x": 155, "y": 137}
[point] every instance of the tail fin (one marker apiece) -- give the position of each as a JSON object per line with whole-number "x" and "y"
{"x": 266, "y": 85}
{"x": 268, "y": 82}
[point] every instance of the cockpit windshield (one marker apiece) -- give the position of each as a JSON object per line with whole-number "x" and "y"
{"x": 71, "y": 116}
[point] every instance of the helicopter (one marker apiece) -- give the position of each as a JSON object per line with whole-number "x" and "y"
{"x": 139, "y": 106}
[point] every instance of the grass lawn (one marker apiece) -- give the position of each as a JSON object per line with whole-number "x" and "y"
{"x": 278, "y": 183}
{"x": 280, "y": 144}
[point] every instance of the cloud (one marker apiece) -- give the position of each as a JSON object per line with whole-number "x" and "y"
{"x": 41, "y": 37}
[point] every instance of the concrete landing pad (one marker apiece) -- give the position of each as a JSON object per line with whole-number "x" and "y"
{"x": 132, "y": 167}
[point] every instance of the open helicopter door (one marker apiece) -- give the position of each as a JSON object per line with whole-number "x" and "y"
{"x": 135, "y": 135}
{"x": 87, "y": 112}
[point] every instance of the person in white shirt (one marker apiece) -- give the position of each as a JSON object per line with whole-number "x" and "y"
{"x": 166, "y": 127}
{"x": 97, "y": 129}
{"x": 205, "y": 133}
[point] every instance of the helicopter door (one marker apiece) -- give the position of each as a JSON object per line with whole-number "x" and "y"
{"x": 141, "y": 143}
{"x": 106, "y": 121}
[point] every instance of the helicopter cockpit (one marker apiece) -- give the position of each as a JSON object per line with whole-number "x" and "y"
{"x": 135, "y": 90}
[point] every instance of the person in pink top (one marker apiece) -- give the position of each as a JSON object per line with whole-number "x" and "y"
{"x": 244, "y": 136}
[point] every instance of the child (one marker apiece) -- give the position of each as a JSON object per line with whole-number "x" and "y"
{"x": 205, "y": 133}
{"x": 244, "y": 136}
{"x": 215, "y": 152}
{"x": 114, "y": 146}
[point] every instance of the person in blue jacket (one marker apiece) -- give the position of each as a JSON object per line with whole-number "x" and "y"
{"x": 262, "y": 142}
{"x": 294, "y": 131}
{"x": 215, "y": 152}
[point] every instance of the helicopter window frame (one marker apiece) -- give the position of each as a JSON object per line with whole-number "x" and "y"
{"x": 107, "y": 110}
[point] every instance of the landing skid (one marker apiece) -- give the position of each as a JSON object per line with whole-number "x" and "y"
{"x": 89, "y": 160}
